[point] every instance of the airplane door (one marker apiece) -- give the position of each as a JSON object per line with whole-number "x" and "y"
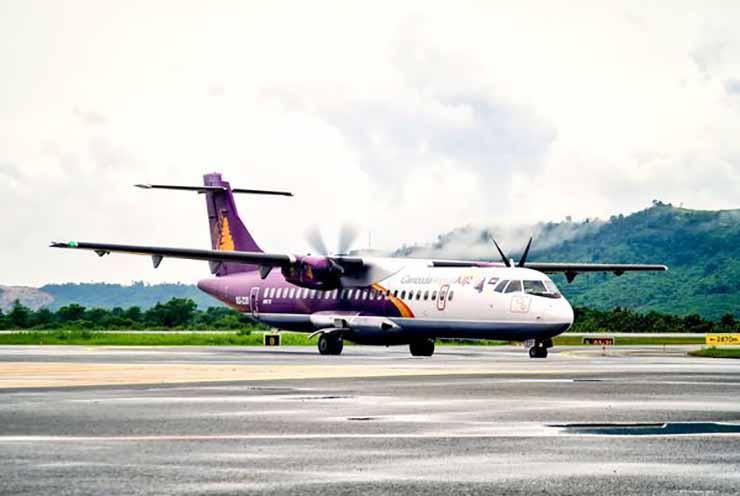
{"x": 253, "y": 301}
{"x": 442, "y": 297}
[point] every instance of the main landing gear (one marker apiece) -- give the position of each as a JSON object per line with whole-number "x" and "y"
{"x": 539, "y": 350}
{"x": 331, "y": 343}
{"x": 425, "y": 347}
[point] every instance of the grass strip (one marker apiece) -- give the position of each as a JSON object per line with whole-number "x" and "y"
{"x": 92, "y": 338}
{"x": 716, "y": 352}
{"x": 566, "y": 340}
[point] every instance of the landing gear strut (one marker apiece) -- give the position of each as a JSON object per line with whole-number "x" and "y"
{"x": 539, "y": 350}
{"x": 425, "y": 347}
{"x": 331, "y": 344}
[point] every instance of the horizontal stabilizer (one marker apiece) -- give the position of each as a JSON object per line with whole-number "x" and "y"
{"x": 205, "y": 189}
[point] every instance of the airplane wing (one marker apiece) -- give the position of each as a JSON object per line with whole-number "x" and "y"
{"x": 265, "y": 260}
{"x": 572, "y": 269}
{"x": 569, "y": 269}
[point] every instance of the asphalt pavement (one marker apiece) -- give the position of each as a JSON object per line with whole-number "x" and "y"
{"x": 469, "y": 420}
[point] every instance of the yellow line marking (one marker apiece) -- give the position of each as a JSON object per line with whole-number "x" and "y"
{"x": 60, "y": 374}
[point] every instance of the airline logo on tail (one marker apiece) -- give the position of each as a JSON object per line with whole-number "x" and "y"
{"x": 225, "y": 242}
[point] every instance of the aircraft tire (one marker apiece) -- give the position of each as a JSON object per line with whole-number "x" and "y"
{"x": 538, "y": 352}
{"x": 330, "y": 344}
{"x": 422, "y": 348}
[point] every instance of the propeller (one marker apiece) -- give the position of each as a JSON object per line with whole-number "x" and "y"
{"x": 347, "y": 236}
{"x": 316, "y": 241}
{"x": 507, "y": 260}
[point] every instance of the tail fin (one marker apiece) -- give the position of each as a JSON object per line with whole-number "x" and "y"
{"x": 228, "y": 232}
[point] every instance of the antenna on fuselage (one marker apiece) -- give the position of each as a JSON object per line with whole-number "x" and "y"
{"x": 507, "y": 261}
{"x": 523, "y": 260}
{"x": 504, "y": 258}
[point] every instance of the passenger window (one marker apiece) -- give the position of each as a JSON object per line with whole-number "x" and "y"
{"x": 426, "y": 295}
{"x": 418, "y": 295}
{"x": 395, "y": 293}
{"x": 403, "y": 295}
{"x": 514, "y": 287}
{"x": 434, "y": 294}
{"x": 449, "y": 295}
{"x": 500, "y": 287}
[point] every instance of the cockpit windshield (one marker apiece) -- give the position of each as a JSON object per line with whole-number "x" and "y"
{"x": 541, "y": 288}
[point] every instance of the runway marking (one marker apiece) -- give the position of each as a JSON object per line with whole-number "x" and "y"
{"x": 539, "y": 432}
{"x": 61, "y": 374}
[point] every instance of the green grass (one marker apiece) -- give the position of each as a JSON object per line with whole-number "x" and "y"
{"x": 717, "y": 352}
{"x": 92, "y": 338}
{"x": 164, "y": 338}
{"x": 566, "y": 340}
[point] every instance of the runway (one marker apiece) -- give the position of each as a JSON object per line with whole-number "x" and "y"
{"x": 470, "y": 420}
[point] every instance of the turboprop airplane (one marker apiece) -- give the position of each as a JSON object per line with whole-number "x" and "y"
{"x": 372, "y": 300}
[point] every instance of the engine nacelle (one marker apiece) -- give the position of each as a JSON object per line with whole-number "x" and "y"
{"x": 314, "y": 272}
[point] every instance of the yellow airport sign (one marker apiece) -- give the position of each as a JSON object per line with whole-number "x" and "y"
{"x": 722, "y": 339}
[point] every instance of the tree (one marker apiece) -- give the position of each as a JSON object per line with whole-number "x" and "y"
{"x": 728, "y": 322}
{"x": 71, "y": 312}
{"x": 19, "y": 316}
{"x": 43, "y": 318}
{"x": 176, "y": 312}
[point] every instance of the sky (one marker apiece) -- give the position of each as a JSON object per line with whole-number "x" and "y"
{"x": 405, "y": 119}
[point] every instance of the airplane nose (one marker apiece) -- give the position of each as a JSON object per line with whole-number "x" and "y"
{"x": 567, "y": 312}
{"x": 560, "y": 312}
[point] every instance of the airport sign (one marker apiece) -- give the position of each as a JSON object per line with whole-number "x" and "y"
{"x": 599, "y": 341}
{"x": 723, "y": 339}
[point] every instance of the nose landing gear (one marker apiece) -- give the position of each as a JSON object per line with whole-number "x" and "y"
{"x": 539, "y": 350}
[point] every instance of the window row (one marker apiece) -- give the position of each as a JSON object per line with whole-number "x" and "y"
{"x": 353, "y": 294}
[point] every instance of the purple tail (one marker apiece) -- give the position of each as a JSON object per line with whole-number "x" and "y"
{"x": 228, "y": 232}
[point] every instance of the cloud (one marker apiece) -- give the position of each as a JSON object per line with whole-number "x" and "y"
{"x": 408, "y": 120}
{"x": 732, "y": 86}
{"x": 90, "y": 117}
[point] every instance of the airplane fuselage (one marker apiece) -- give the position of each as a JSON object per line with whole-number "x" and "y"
{"x": 412, "y": 301}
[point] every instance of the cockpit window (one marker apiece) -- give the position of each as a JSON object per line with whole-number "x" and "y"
{"x": 541, "y": 288}
{"x": 534, "y": 287}
{"x": 500, "y": 287}
{"x": 514, "y": 287}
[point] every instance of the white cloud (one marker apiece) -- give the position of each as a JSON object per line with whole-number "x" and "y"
{"x": 405, "y": 119}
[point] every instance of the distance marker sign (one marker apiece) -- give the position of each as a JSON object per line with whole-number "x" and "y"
{"x": 723, "y": 339}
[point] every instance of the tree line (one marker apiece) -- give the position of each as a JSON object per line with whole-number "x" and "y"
{"x": 175, "y": 314}
{"x": 183, "y": 314}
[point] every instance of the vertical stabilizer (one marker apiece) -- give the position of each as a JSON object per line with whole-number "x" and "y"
{"x": 228, "y": 232}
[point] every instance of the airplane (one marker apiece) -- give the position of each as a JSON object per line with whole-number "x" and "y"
{"x": 368, "y": 299}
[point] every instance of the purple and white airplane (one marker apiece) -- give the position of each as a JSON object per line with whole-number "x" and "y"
{"x": 373, "y": 300}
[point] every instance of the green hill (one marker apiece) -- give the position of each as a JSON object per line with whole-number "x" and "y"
{"x": 701, "y": 249}
{"x": 109, "y": 296}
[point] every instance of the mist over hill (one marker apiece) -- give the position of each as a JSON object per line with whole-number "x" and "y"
{"x": 701, "y": 248}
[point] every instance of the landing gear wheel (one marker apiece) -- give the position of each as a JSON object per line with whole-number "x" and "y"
{"x": 422, "y": 348}
{"x": 330, "y": 344}
{"x": 538, "y": 351}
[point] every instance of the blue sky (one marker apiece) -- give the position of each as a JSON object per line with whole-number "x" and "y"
{"x": 406, "y": 118}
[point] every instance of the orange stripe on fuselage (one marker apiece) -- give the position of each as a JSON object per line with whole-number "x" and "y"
{"x": 402, "y": 308}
